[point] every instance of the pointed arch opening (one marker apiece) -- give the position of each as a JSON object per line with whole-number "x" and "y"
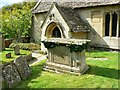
{"x": 53, "y": 31}
{"x": 107, "y": 24}
{"x": 114, "y": 24}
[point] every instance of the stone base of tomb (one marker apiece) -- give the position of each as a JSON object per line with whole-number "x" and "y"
{"x": 60, "y": 68}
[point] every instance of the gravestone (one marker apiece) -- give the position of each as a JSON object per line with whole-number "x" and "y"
{"x": 11, "y": 75}
{"x": 17, "y": 50}
{"x": 8, "y": 42}
{"x": 29, "y": 57}
{"x": 8, "y": 55}
{"x": 23, "y": 67}
{"x": 2, "y": 42}
{"x": 0, "y": 75}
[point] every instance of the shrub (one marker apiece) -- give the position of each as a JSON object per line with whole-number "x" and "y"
{"x": 26, "y": 46}
{"x": 12, "y": 45}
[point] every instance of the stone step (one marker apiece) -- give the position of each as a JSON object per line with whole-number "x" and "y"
{"x": 54, "y": 67}
{"x": 59, "y": 71}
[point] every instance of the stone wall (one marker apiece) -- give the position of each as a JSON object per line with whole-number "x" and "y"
{"x": 79, "y": 35}
{"x": 95, "y": 18}
{"x": 36, "y": 27}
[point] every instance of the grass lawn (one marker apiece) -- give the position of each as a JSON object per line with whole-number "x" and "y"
{"x": 101, "y": 74}
{"x": 3, "y": 58}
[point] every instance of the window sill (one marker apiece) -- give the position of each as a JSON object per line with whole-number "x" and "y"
{"x": 111, "y": 37}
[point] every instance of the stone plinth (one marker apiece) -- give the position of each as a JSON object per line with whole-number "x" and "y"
{"x": 66, "y": 55}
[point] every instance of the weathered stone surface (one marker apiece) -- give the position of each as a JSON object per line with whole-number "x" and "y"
{"x": 17, "y": 50}
{"x": 8, "y": 42}
{"x": 61, "y": 59}
{"x": 23, "y": 67}
{"x": 11, "y": 75}
{"x": 8, "y": 55}
{"x": 60, "y": 55}
{"x": 28, "y": 57}
{"x": 0, "y": 76}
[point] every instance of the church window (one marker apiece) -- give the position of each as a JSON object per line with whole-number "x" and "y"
{"x": 111, "y": 24}
{"x": 107, "y": 24}
{"x": 114, "y": 24}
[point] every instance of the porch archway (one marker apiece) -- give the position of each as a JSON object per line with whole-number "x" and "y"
{"x": 53, "y": 31}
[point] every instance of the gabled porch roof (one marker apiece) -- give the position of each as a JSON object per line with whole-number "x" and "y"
{"x": 72, "y": 19}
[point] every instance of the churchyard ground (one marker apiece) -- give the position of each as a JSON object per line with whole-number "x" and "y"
{"x": 103, "y": 73}
{"x": 3, "y": 58}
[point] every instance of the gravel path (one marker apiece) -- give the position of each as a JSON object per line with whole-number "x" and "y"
{"x": 39, "y": 57}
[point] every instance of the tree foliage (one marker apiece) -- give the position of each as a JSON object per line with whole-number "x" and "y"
{"x": 16, "y": 20}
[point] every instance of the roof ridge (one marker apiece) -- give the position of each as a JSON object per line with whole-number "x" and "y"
{"x": 36, "y": 5}
{"x": 43, "y": 6}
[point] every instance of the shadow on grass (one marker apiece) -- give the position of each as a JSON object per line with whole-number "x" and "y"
{"x": 102, "y": 71}
{"x": 32, "y": 61}
{"x": 36, "y": 72}
{"x": 10, "y": 57}
{"x": 21, "y": 54}
{"x": 8, "y": 50}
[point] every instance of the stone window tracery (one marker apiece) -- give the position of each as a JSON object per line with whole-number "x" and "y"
{"x": 111, "y": 24}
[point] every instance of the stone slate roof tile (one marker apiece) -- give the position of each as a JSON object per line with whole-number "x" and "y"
{"x": 73, "y": 20}
{"x": 95, "y": 4}
{"x": 44, "y": 5}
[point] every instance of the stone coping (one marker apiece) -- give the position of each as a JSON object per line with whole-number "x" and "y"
{"x": 67, "y": 41}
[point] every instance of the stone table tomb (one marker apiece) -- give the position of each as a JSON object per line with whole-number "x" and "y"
{"x": 66, "y": 55}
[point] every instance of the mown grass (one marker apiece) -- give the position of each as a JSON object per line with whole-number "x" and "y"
{"x": 101, "y": 74}
{"x": 3, "y": 58}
